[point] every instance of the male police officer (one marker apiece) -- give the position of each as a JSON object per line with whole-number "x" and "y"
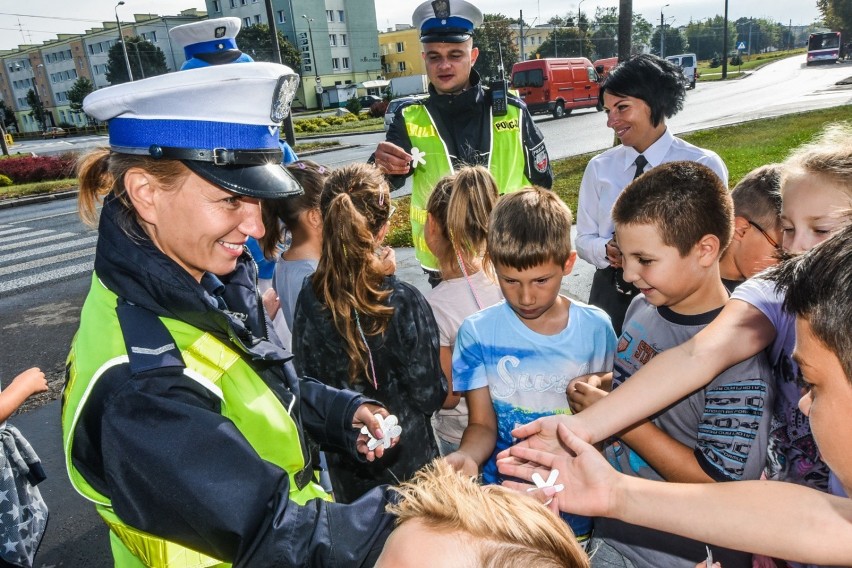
{"x": 460, "y": 123}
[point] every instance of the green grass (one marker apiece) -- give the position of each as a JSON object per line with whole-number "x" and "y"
{"x": 749, "y": 63}
{"x": 743, "y": 147}
{"x": 27, "y": 189}
{"x": 302, "y": 147}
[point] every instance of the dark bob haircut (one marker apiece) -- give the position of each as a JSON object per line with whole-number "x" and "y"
{"x": 656, "y": 81}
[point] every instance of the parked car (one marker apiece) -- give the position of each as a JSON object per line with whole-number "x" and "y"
{"x": 394, "y": 106}
{"x": 557, "y": 85}
{"x": 688, "y": 62}
{"x": 54, "y": 132}
{"x": 368, "y": 100}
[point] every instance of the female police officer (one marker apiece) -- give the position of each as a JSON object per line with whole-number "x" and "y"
{"x": 182, "y": 419}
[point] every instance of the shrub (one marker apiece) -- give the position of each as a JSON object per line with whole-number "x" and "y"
{"x": 5, "y": 181}
{"x": 353, "y": 105}
{"x": 736, "y": 60}
{"x": 29, "y": 169}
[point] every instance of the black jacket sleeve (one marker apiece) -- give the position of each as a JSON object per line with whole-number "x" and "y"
{"x": 396, "y": 134}
{"x": 538, "y": 168}
{"x": 175, "y": 467}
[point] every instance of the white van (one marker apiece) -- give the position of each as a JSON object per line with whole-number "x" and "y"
{"x": 688, "y": 62}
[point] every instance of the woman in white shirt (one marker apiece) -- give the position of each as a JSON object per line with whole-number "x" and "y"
{"x": 637, "y": 96}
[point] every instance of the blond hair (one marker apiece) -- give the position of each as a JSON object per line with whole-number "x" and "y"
{"x": 461, "y": 205}
{"x": 829, "y": 154}
{"x": 506, "y": 529}
{"x": 355, "y": 205}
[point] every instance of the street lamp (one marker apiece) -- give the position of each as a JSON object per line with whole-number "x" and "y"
{"x": 663, "y": 33}
{"x": 579, "y": 28}
{"x": 314, "y": 59}
{"x": 121, "y": 39}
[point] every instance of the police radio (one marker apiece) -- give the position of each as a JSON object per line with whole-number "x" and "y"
{"x": 500, "y": 91}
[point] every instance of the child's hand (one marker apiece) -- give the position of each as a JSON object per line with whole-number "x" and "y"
{"x": 30, "y": 382}
{"x": 387, "y": 256}
{"x": 592, "y": 487}
{"x": 583, "y": 394}
{"x": 613, "y": 254}
{"x": 463, "y": 463}
{"x": 365, "y": 416}
{"x": 540, "y": 434}
{"x": 271, "y": 302}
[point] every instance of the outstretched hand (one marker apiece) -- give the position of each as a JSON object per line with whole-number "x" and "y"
{"x": 591, "y": 485}
{"x": 365, "y": 416}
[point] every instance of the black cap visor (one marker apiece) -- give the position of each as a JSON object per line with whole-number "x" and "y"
{"x": 262, "y": 181}
{"x": 445, "y": 36}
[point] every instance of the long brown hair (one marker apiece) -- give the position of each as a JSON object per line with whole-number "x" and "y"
{"x": 311, "y": 176}
{"x": 355, "y": 205}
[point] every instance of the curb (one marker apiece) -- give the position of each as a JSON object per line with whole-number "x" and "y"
{"x": 34, "y": 199}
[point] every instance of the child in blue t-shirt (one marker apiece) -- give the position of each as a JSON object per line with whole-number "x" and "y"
{"x": 515, "y": 359}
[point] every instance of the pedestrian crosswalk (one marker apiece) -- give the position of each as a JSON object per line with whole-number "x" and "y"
{"x": 32, "y": 256}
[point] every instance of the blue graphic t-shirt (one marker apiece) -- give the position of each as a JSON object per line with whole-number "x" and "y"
{"x": 526, "y": 372}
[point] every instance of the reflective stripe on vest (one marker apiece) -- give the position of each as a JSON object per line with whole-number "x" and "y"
{"x": 506, "y": 161}
{"x": 266, "y": 424}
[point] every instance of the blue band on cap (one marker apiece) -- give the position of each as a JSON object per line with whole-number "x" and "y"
{"x": 456, "y": 22}
{"x": 136, "y": 133}
{"x": 210, "y": 46}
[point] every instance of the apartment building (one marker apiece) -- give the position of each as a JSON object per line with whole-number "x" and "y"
{"x": 338, "y": 40}
{"x": 401, "y": 51}
{"x": 50, "y": 69}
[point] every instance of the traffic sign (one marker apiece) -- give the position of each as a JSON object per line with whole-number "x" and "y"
{"x": 741, "y": 45}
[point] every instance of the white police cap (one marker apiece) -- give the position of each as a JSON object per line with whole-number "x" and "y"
{"x": 221, "y": 122}
{"x": 209, "y": 42}
{"x": 447, "y": 21}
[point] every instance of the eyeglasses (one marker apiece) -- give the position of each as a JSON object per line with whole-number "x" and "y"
{"x": 769, "y": 239}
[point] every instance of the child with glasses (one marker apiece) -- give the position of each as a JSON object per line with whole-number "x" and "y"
{"x": 757, "y": 226}
{"x": 358, "y": 328}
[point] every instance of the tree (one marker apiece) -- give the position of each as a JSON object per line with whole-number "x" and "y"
{"x": 675, "y": 41}
{"x": 605, "y": 34}
{"x": 837, "y": 15}
{"x": 642, "y": 32}
{"x": 491, "y": 37}
{"x": 565, "y": 42}
{"x": 37, "y": 109}
{"x": 78, "y": 91}
{"x": 257, "y": 42}
{"x": 146, "y": 60}
{"x": 8, "y": 117}
{"x": 706, "y": 38}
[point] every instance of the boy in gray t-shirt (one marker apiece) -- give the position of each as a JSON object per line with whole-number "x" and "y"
{"x": 672, "y": 224}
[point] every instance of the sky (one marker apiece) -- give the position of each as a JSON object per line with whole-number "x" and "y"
{"x": 35, "y": 21}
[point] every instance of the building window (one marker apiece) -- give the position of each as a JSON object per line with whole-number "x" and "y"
{"x": 150, "y": 36}
{"x": 233, "y": 3}
{"x": 332, "y": 40}
{"x": 400, "y": 47}
{"x": 345, "y": 62}
{"x": 257, "y": 18}
{"x": 282, "y": 17}
{"x": 329, "y": 15}
{"x": 217, "y": 6}
{"x": 400, "y": 66}
{"x": 340, "y": 17}
{"x": 343, "y": 39}
{"x": 247, "y": 21}
{"x": 243, "y": 2}
{"x": 335, "y": 63}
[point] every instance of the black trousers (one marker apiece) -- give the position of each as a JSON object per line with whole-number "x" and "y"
{"x": 606, "y": 297}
